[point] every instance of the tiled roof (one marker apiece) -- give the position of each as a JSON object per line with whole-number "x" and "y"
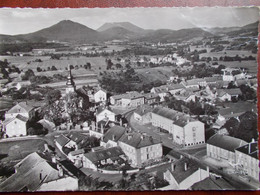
{"x": 194, "y": 81}
{"x": 28, "y": 173}
{"x": 20, "y": 117}
{"x": 212, "y": 79}
{"x": 101, "y": 109}
{"x": 250, "y": 149}
{"x": 211, "y": 183}
{"x": 62, "y": 140}
{"x": 234, "y": 91}
{"x": 104, "y": 154}
{"x": 77, "y": 152}
{"x": 76, "y": 136}
{"x": 114, "y": 133}
{"x": 128, "y": 95}
{"x": 178, "y": 118}
{"x": 179, "y": 173}
{"x": 149, "y": 96}
{"x": 21, "y": 107}
{"x": 137, "y": 140}
{"x": 143, "y": 109}
{"x": 226, "y": 142}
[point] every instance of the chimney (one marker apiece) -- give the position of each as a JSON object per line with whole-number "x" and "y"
{"x": 185, "y": 166}
{"x": 121, "y": 122}
{"x": 173, "y": 166}
{"x": 129, "y": 137}
{"x": 53, "y": 159}
{"x": 113, "y": 137}
{"x": 142, "y": 137}
{"x": 60, "y": 171}
{"x": 101, "y": 128}
{"x": 40, "y": 176}
{"x": 208, "y": 170}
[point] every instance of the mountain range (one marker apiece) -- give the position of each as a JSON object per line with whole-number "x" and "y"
{"x": 74, "y": 32}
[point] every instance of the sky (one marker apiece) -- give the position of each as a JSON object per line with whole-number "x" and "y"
{"x": 25, "y": 20}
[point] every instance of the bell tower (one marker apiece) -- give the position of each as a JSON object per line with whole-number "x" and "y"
{"x": 70, "y": 85}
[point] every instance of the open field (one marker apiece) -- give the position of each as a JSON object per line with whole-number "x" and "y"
{"x": 251, "y": 65}
{"x": 20, "y": 148}
{"x": 22, "y": 63}
{"x": 230, "y": 53}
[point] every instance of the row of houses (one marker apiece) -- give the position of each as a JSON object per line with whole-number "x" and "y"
{"x": 241, "y": 155}
{"x": 118, "y": 146}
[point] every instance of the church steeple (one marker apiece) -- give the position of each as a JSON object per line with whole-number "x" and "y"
{"x": 70, "y": 83}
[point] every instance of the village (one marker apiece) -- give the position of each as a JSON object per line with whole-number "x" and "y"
{"x": 130, "y": 115}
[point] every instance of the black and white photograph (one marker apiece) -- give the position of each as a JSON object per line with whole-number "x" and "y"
{"x": 128, "y": 99}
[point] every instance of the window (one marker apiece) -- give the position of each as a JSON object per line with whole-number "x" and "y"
{"x": 147, "y": 156}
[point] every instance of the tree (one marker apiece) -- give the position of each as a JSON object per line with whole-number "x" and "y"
{"x": 28, "y": 74}
{"x": 109, "y": 64}
{"x": 53, "y": 68}
{"x": 36, "y": 129}
{"x": 39, "y": 69}
{"x": 247, "y": 129}
{"x": 231, "y": 125}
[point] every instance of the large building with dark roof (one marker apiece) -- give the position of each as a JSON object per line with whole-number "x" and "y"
{"x": 222, "y": 147}
{"x": 140, "y": 148}
{"x": 37, "y": 172}
{"x": 247, "y": 160}
{"x": 185, "y": 130}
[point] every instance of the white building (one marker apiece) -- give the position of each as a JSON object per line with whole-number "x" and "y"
{"x": 16, "y": 126}
{"x": 104, "y": 113}
{"x": 185, "y": 130}
{"x": 100, "y": 96}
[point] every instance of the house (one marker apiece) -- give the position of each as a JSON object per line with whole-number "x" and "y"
{"x": 175, "y": 88}
{"x": 187, "y": 96}
{"x": 228, "y": 76}
{"x": 195, "y": 83}
{"x": 111, "y": 137}
{"x": 222, "y": 147}
{"x": 223, "y": 95}
{"x": 101, "y": 158}
{"x": 129, "y": 99}
{"x": 63, "y": 141}
{"x": 22, "y": 109}
{"x": 38, "y": 172}
{"x": 143, "y": 114}
{"x": 247, "y": 161}
{"x": 184, "y": 173}
{"x": 140, "y": 148}
{"x": 162, "y": 91}
{"x": 234, "y": 92}
{"x": 76, "y": 157}
{"x": 132, "y": 99}
{"x": 104, "y": 113}
{"x": 212, "y": 183}
{"x": 100, "y": 96}
{"x": 185, "y": 130}
{"x": 151, "y": 98}
{"x": 100, "y": 128}
{"x": 16, "y": 126}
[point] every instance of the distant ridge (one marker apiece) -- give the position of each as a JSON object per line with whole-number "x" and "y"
{"x": 126, "y": 25}
{"x": 73, "y": 32}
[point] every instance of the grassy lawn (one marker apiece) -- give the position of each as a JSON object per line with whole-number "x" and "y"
{"x": 19, "y": 149}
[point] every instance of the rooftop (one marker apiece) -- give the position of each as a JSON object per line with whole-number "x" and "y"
{"x": 250, "y": 149}
{"x": 62, "y": 140}
{"x": 21, "y": 107}
{"x": 212, "y": 183}
{"x": 138, "y": 140}
{"x": 178, "y": 118}
{"x": 226, "y": 142}
{"x": 179, "y": 172}
{"x": 114, "y": 133}
{"x": 104, "y": 154}
{"x": 19, "y": 117}
{"x": 31, "y": 172}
